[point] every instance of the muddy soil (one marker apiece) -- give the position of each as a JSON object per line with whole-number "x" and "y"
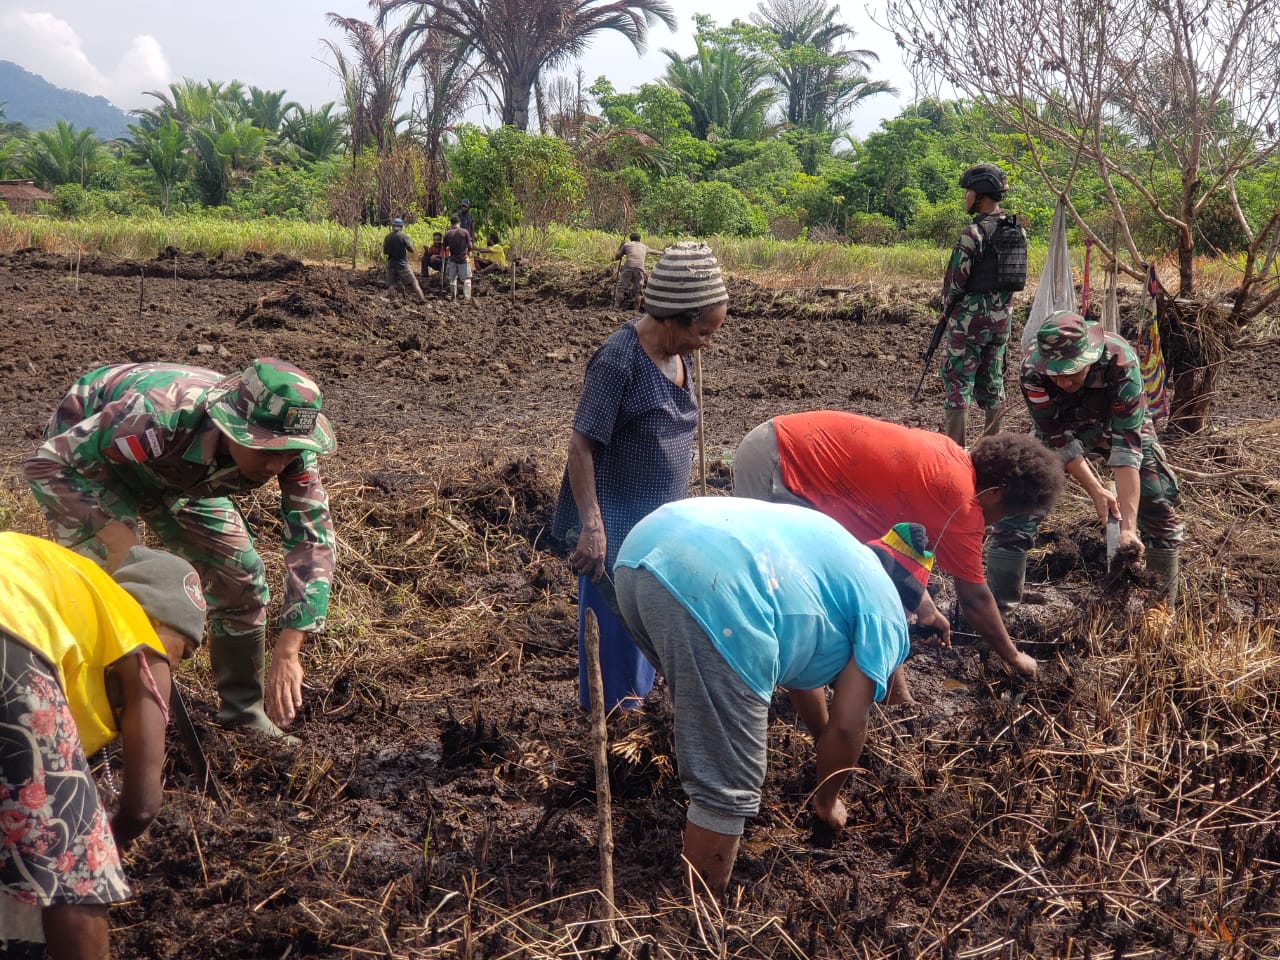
{"x": 442, "y": 801}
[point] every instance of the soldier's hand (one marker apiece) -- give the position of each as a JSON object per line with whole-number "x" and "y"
{"x": 1106, "y": 503}
{"x": 1130, "y": 547}
{"x": 282, "y": 693}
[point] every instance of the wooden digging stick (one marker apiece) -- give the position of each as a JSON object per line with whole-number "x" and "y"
{"x": 600, "y": 749}
{"x": 702, "y": 437}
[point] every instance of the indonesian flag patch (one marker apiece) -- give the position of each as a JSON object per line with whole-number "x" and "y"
{"x": 131, "y": 449}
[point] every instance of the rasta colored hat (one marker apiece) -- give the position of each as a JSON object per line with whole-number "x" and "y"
{"x": 271, "y": 405}
{"x": 903, "y": 554}
{"x": 397, "y": 222}
{"x": 1066, "y": 344}
{"x": 167, "y": 589}
{"x": 687, "y": 277}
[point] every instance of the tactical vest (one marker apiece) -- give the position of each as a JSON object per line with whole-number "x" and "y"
{"x": 1001, "y": 261}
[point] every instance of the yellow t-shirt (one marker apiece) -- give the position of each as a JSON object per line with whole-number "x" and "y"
{"x": 69, "y": 610}
{"x": 495, "y": 254}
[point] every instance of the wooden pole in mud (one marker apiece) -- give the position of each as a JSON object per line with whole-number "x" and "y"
{"x": 702, "y": 436}
{"x": 600, "y": 750}
{"x": 142, "y": 286}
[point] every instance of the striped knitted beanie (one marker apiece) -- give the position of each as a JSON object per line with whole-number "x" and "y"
{"x": 686, "y": 278}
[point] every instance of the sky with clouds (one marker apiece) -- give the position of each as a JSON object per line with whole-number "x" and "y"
{"x": 120, "y": 48}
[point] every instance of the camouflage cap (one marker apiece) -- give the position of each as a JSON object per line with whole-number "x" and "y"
{"x": 1065, "y": 344}
{"x": 272, "y": 405}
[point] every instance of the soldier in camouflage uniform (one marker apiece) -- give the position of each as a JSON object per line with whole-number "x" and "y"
{"x": 978, "y": 329}
{"x": 170, "y": 444}
{"x": 1084, "y": 390}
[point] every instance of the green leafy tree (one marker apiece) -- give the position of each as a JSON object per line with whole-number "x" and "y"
{"x": 61, "y": 155}
{"x": 724, "y": 86}
{"x": 514, "y": 177}
{"x": 163, "y": 149}
{"x": 521, "y": 39}
{"x": 224, "y": 149}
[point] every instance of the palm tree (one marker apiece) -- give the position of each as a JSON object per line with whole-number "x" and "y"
{"x": 268, "y": 108}
{"x": 164, "y": 150}
{"x": 372, "y": 80}
{"x": 315, "y": 134}
{"x": 821, "y": 80}
{"x": 724, "y": 87}
{"x": 61, "y": 155}
{"x": 520, "y": 39}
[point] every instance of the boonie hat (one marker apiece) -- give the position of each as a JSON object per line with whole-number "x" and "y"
{"x": 687, "y": 277}
{"x": 167, "y": 588}
{"x": 903, "y": 553}
{"x": 271, "y": 405}
{"x": 1066, "y": 343}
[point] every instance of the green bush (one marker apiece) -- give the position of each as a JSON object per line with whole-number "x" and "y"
{"x": 938, "y": 223}
{"x": 873, "y": 229}
{"x": 74, "y": 201}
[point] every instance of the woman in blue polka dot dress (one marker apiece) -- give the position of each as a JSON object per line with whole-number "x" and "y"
{"x": 631, "y": 449}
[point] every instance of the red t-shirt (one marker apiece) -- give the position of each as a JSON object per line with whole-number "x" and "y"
{"x": 869, "y": 474}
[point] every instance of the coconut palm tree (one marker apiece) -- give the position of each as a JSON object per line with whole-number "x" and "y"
{"x": 820, "y": 80}
{"x": 520, "y": 39}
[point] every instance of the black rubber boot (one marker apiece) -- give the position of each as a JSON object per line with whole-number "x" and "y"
{"x": 237, "y": 672}
{"x": 1163, "y": 563}
{"x": 1006, "y": 575}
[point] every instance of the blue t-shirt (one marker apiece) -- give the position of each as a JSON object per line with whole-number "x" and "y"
{"x": 643, "y": 426}
{"x": 786, "y": 594}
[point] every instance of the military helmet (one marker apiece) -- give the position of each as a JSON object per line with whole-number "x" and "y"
{"x": 985, "y": 178}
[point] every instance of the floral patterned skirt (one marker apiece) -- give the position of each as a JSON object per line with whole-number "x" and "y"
{"x": 56, "y": 845}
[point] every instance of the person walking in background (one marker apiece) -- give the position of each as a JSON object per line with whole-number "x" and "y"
{"x": 631, "y": 449}
{"x": 732, "y": 599}
{"x": 171, "y": 444}
{"x": 980, "y": 279}
{"x": 459, "y": 243}
{"x": 84, "y": 659}
{"x": 1083, "y": 388}
{"x": 632, "y": 256}
{"x": 397, "y": 246}
{"x": 869, "y": 474}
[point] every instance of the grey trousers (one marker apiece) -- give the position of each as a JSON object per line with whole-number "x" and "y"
{"x": 757, "y": 471}
{"x": 721, "y": 725}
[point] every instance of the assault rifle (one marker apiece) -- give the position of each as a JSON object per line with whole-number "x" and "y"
{"x": 939, "y": 329}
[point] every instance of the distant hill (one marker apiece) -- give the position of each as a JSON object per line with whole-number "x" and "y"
{"x": 33, "y": 100}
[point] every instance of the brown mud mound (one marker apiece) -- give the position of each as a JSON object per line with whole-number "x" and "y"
{"x": 442, "y": 801}
{"x": 169, "y": 263}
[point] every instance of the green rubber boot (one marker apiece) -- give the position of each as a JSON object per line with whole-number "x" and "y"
{"x": 992, "y": 422}
{"x": 237, "y": 672}
{"x": 1162, "y": 563}
{"x": 953, "y": 424}
{"x": 1006, "y": 574}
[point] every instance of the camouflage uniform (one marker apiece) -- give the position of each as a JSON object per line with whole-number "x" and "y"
{"x": 978, "y": 331}
{"x": 1108, "y": 417}
{"x": 139, "y": 440}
